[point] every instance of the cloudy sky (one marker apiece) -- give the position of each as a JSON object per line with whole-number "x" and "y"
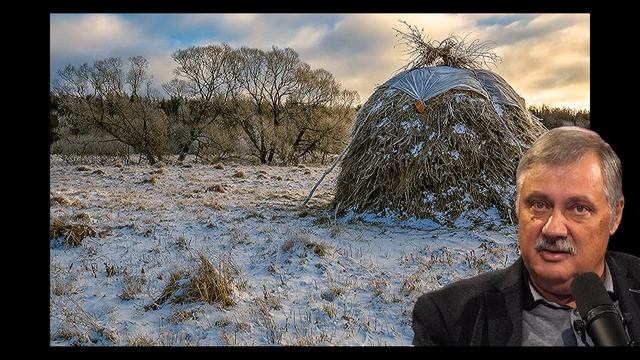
{"x": 545, "y": 57}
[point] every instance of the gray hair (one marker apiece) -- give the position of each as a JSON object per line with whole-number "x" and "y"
{"x": 566, "y": 145}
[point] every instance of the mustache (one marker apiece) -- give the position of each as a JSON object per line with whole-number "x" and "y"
{"x": 565, "y": 245}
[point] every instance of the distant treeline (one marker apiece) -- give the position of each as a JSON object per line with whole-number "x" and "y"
{"x": 268, "y": 106}
{"x": 553, "y": 117}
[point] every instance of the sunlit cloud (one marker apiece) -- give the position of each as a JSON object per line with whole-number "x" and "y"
{"x": 545, "y": 57}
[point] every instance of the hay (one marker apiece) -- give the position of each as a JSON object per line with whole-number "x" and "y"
{"x": 208, "y": 283}
{"x": 456, "y": 156}
{"x": 73, "y": 233}
{"x": 453, "y": 51}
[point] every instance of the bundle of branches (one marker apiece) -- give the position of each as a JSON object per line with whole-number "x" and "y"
{"x": 457, "y": 155}
{"x": 453, "y": 51}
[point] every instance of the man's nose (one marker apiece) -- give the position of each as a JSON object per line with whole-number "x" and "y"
{"x": 555, "y": 226}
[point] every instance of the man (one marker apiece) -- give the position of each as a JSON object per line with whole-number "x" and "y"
{"x": 568, "y": 202}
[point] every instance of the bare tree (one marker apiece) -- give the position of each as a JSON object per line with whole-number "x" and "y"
{"x": 97, "y": 97}
{"x": 266, "y": 80}
{"x": 203, "y": 84}
{"x": 320, "y": 113}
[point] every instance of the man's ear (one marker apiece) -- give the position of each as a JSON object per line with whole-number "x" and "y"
{"x": 617, "y": 217}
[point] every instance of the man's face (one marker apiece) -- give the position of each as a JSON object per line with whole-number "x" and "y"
{"x": 564, "y": 222}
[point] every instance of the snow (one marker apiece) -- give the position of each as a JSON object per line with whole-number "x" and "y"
{"x": 459, "y": 128}
{"x": 376, "y": 107}
{"x": 416, "y": 148}
{"x": 359, "y": 291}
{"x": 410, "y": 124}
{"x": 382, "y": 122}
{"x": 496, "y": 105}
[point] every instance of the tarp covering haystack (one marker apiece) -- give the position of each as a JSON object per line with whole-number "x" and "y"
{"x": 438, "y": 140}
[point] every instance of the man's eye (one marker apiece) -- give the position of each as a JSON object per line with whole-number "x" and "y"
{"x": 538, "y": 205}
{"x": 581, "y": 209}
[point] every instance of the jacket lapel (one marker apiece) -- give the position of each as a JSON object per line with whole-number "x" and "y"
{"x": 504, "y": 308}
{"x": 627, "y": 289}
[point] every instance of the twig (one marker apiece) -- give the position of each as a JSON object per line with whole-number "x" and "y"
{"x": 322, "y": 178}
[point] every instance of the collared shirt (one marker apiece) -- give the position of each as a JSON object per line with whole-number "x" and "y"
{"x": 552, "y": 324}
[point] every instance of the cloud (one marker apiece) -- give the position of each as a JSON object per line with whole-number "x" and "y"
{"x": 545, "y": 56}
{"x": 93, "y": 34}
{"x": 77, "y": 39}
{"x": 553, "y": 63}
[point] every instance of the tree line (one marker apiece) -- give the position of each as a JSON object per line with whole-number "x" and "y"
{"x": 221, "y": 103}
{"x": 553, "y": 117}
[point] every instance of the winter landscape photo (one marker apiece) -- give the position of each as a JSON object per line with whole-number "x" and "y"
{"x": 289, "y": 179}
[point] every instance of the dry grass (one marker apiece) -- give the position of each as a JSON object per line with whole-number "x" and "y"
{"x": 64, "y": 286}
{"x": 169, "y": 289}
{"x": 379, "y": 286}
{"x": 182, "y": 316}
{"x": 413, "y": 283}
{"x": 239, "y": 174}
{"x": 214, "y": 285}
{"x": 158, "y": 171}
{"x": 215, "y": 205}
{"x": 141, "y": 340}
{"x": 182, "y": 243}
{"x": 61, "y": 200}
{"x": 72, "y": 233}
{"x": 320, "y": 249}
{"x": 452, "y": 51}
{"x": 210, "y": 284}
{"x": 83, "y": 326}
{"x": 83, "y": 216}
{"x": 475, "y": 262}
{"x": 217, "y": 188}
{"x": 330, "y": 310}
{"x": 110, "y": 270}
{"x": 303, "y": 239}
{"x": 133, "y": 285}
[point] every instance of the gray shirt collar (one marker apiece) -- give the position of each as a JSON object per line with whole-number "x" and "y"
{"x": 608, "y": 285}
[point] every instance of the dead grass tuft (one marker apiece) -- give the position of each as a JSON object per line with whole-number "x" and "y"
{"x": 213, "y": 204}
{"x": 217, "y": 188}
{"x": 169, "y": 289}
{"x": 61, "y": 200}
{"x": 239, "y": 174}
{"x": 319, "y": 248}
{"x": 210, "y": 284}
{"x": 141, "y": 340}
{"x": 73, "y": 233}
{"x": 182, "y": 316}
{"x": 132, "y": 286}
{"x": 65, "y": 286}
{"x": 182, "y": 243}
{"x": 303, "y": 239}
{"x": 330, "y": 310}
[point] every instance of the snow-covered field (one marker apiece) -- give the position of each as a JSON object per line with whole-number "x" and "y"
{"x": 296, "y": 276}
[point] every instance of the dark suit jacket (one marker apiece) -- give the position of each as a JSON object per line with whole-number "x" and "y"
{"x": 487, "y": 309}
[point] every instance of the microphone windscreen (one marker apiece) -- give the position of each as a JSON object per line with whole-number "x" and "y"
{"x": 588, "y": 291}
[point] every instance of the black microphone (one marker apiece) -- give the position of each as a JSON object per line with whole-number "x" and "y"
{"x": 602, "y": 321}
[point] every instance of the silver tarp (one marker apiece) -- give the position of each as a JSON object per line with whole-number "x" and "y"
{"x": 425, "y": 83}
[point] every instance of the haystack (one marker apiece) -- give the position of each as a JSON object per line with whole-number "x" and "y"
{"x": 436, "y": 142}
